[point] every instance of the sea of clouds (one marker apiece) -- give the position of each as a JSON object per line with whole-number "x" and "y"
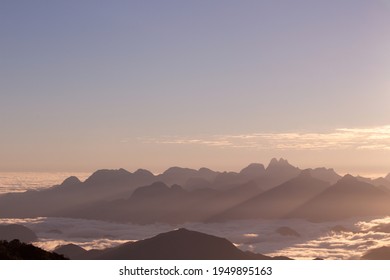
{"x": 23, "y": 181}
{"x": 260, "y": 236}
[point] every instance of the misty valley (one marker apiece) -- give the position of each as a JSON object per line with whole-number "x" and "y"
{"x": 273, "y": 212}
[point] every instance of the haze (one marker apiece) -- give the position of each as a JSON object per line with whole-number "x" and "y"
{"x": 99, "y": 84}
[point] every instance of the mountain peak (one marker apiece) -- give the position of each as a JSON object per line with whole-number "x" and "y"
{"x": 180, "y": 244}
{"x": 175, "y": 170}
{"x": 306, "y": 173}
{"x": 277, "y": 164}
{"x": 108, "y": 173}
{"x": 143, "y": 172}
{"x": 72, "y": 180}
{"x": 155, "y": 189}
{"x": 348, "y": 178}
{"x": 387, "y": 177}
{"x": 253, "y": 169}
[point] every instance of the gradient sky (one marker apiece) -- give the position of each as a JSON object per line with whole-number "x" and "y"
{"x": 152, "y": 84}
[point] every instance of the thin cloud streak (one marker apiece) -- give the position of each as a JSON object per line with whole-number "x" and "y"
{"x": 374, "y": 138}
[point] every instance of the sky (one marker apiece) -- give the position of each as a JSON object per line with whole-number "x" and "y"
{"x": 86, "y": 85}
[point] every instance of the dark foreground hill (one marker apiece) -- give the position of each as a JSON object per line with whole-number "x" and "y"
{"x": 16, "y": 250}
{"x": 181, "y": 244}
{"x": 13, "y": 231}
{"x": 382, "y": 253}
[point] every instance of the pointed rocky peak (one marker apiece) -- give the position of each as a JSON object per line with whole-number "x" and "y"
{"x": 253, "y": 169}
{"x": 274, "y": 161}
{"x": 387, "y": 177}
{"x": 278, "y": 163}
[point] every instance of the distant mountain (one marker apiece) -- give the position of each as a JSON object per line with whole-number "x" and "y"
{"x": 180, "y": 176}
{"x": 278, "y": 201}
{"x": 158, "y": 203}
{"x": 287, "y": 231}
{"x": 382, "y": 253}
{"x": 348, "y": 198}
{"x": 197, "y": 184}
{"x": 13, "y": 231}
{"x": 70, "y": 251}
{"x": 276, "y": 173}
{"x": 253, "y": 170}
{"x": 181, "y": 244}
{"x": 16, "y": 250}
{"x": 101, "y": 185}
{"x": 324, "y": 174}
{"x": 227, "y": 180}
{"x": 387, "y": 177}
{"x": 379, "y": 182}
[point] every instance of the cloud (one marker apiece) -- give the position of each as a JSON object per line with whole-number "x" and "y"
{"x": 260, "y": 236}
{"x": 23, "y": 181}
{"x": 374, "y": 138}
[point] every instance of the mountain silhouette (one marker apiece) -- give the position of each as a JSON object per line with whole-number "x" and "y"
{"x": 382, "y": 253}
{"x": 158, "y": 203}
{"x": 70, "y": 251}
{"x": 278, "y": 201}
{"x": 181, "y": 244}
{"x": 101, "y": 185}
{"x": 348, "y": 198}
{"x": 253, "y": 170}
{"x": 325, "y": 174}
{"x": 276, "y": 173}
{"x": 255, "y": 192}
{"x": 287, "y": 231}
{"x": 16, "y": 250}
{"x": 180, "y": 176}
{"x": 13, "y": 231}
{"x": 379, "y": 182}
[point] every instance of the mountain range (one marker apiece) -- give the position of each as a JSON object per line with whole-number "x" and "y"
{"x": 180, "y": 244}
{"x": 181, "y": 195}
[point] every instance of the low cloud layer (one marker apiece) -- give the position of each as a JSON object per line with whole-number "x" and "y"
{"x": 23, "y": 181}
{"x": 314, "y": 240}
